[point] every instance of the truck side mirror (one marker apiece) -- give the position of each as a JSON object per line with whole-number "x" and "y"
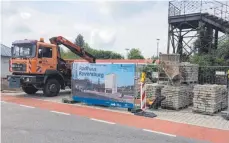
{"x": 12, "y": 51}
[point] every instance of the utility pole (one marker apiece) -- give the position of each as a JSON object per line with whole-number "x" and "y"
{"x": 158, "y": 48}
{"x": 127, "y": 52}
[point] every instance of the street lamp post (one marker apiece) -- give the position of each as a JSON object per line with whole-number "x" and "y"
{"x": 158, "y": 48}
{"x": 127, "y": 51}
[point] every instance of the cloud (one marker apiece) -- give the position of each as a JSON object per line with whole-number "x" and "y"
{"x": 124, "y": 9}
{"x": 23, "y": 29}
{"x": 142, "y": 30}
{"x": 104, "y": 25}
{"x": 104, "y": 37}
{"x": 104, "y": 8}
{"x": 107, "y": 35}
{"x": 25, "y": 15}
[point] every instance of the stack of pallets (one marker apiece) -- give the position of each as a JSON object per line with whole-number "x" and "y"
{"x": 177, "y": 97}
{"x": 209, "y": 99}
{"x": 189, "y": 72}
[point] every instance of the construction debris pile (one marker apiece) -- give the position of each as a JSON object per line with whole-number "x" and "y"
{"x": 209, "y": 99}
{"x": 178, "y": 72}
{"x": 177, "y": 97}
{"x": 189, "y": 72}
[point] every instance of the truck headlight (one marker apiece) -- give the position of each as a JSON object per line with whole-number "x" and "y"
{"x": 27, "y": 79}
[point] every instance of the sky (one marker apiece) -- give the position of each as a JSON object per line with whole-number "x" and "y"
{"x": 106, "y": 25}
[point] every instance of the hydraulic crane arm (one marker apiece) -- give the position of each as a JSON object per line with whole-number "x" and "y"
{"x": 74, "y": 48}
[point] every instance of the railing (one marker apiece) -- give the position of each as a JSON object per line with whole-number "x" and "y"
{"x": 219, "y": 9}
{"x": 224, "y": 38}
{"x": 173, "y": 10}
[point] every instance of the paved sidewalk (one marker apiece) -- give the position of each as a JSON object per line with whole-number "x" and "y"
{"x": 188, "y": 117}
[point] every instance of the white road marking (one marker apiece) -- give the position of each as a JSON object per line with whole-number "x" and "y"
{"x": 102, "y": 121}
{"x": 84, "y": 105}
{"x": 26, "y": 106}
{"x": 60, "y": 113}
{"x": 171, "y": 135}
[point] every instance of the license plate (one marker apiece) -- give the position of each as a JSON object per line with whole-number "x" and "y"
{"x": 14, "y": 82}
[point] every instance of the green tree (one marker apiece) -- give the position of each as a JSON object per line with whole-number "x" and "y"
{"x": 79, "y": 40}
{"x": 222, "y": 53}
{"x": 102, "y": 54}
{"x": 99, "y": 54}
{"x": 135, "y": 54}
{"x": 205, "y": 40}
{"x": 214, "y": 57}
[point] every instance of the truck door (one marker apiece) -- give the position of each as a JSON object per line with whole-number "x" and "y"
{"x": 46, "y": 59}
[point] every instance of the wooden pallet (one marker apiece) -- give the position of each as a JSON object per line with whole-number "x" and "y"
{"x": 209, "y": 113}
{"x": 173, "y": 108}
{"x": 205, "y": 113}
{"x": 189, "y": 82}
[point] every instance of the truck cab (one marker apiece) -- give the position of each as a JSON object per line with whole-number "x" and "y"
{"x": 32, "y": 57}
{"x": 33, "y": 65}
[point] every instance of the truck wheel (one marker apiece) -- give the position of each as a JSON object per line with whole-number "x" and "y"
{"x": 29, "y": 89}
{"x": 51, "y": 88}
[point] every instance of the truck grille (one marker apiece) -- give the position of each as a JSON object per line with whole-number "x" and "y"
{"x": 18, "y": 67}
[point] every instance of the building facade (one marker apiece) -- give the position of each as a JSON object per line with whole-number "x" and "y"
{"x": 111, "y": 83}
{"x": 5, "y": 57}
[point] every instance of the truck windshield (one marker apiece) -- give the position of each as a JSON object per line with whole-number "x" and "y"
{"x": 23, "y": 50}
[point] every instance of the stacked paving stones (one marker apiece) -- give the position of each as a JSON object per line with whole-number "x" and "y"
{"x": 180, "y": 94}
{"x": 190, "y": 93}
{"x": 153, "y": 90}
{"x": 148, "y": 81}
{"x": 189, "y": 72}
{"x": 177, "y": 97}
{"x": 209, "y": 99}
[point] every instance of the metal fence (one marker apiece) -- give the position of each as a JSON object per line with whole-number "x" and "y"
{"x": 213, "y": 75}
{"x": 187, "y": 73}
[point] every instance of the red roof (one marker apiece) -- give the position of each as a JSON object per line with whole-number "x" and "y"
{"x": 136, "y": 61}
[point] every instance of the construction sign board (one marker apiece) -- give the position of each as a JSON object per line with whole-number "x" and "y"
{"x": 104, "y": 84}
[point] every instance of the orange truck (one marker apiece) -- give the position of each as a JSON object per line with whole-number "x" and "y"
{"x": 36, "y": 65}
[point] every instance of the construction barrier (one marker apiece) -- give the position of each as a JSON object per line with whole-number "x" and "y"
{"x": 104, "y": 84}
{"x": 143, "y": 91}
{"x": 143, "y": 96}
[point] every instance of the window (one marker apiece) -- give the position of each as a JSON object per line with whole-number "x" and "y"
{"x": 44, "y": 52}
{"x": 23, "y": 50}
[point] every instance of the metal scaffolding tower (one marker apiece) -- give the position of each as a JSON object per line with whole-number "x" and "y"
{"x": 195, "y": 26}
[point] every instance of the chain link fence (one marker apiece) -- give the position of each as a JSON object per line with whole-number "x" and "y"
{"x": 213, "y": 75}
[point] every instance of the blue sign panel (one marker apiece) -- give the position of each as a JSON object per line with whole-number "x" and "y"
{"x": 104, "y": 84}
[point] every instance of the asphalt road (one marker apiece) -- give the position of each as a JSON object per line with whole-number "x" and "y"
{"x": 32, "y": 125}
